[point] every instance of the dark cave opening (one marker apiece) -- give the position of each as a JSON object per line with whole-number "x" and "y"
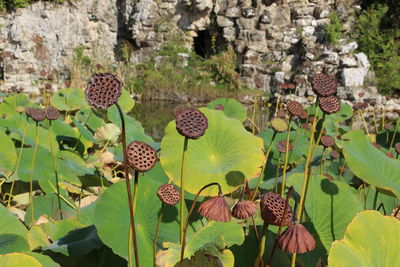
{"x": 209, "y": 42}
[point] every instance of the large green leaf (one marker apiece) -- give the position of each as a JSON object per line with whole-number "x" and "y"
{"x": 68, "y": 99}
{"x": 10, "y": 104}
{"x": 18, "y": 260}
{"x": 8, "y": 155}
{"x": 232, "y": 108}
{"x": 218, "y": 235}
{"x": 126, "y": 103}
{"x": 371, "y": 240}
{"x": 46, "y": 261}
{"x": 113, "y": 207}
{"x": 12, "y": 233}
{"x": 370, "y": 164}
{"x": 330, "y": 205}
{"x": 227, "y": 154}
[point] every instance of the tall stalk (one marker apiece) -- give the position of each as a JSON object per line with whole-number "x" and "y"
{"x": 32, "y": 172}
{"x": 286, "y": 160}
{"x": 55, "y": 170}
{"x": 261, "y": 245}
{"x": 128, "y": 190}
{"x": 156, "y": 235}
{"x": 182, "y": 200}
{"x": 394, "y": 134}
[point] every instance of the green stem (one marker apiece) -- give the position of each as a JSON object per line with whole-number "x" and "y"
{"x": 156, "y": 235}
{"x": 261, "y": 176}
{"x": 32, "y": 172}
{"x": 286, "y": 160}
{"x": 261, "y": 247}
{"x": 322, "y": 161}
{"x": 182, "y": 204}
{"x": 79, "y": 207}
{"x": 277, "y": 173}
{"x": 55, "y": 170}
{"x": 394, "y": 134}
{"x": 190, "y": 213}
{"x": 375, "y": 198}
{"x": 128, "y": 190}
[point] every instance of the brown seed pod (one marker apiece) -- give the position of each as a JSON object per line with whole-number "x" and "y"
{"x": 103, "y": 90}
{"x": 303, "y": 115}
{"x": 359, "y": 106}
{"x": 281, "y": 146}
{"x": 378, "y": 146}
{"x": 141, "y": 156}
{"x": 329, "y": 104}
{"x": 244, "y": 209}
{"x": 52, "y": 113}
{"x": 36, "y": 114}
{"x": 334, "y": 154}
{"x": 327, "y": 141}
{"x": 281, "y": 114}
{"x": 306, "y": 126}
{"x": 219, "y": 107}
{"x": 396, "y": 212}
{"x": 390, "y": 154}
{"x": 295, "y": 108}
{"x": 191, "y": 123}
{"x": 296, "y": 239}
{"x": 324, "y": 85}
{"x": 279, "y": 125}
{"x": 327, "y": 175}
{"x": 168, "y": 194}
{"x": 388, "y": 127}
{"x": 397, "y": 148}
{"x": 215, "y": 209}
{"x": 272, "y": 207}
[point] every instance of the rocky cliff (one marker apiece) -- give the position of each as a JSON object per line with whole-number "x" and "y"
{"x": 280, "y": 44}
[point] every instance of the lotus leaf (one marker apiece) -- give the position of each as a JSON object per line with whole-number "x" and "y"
{"x": 12, "y": 233}
{"x": 370, "y": 164}
{"x": 330, "y": 205}
{"x": 46, "y": 261}
{"x": 232, "y": 108}
{"x": 107, "y": 134}
{"x": 10, "y": 104}
{"x": 8, "y": 155}
{"x": 68, "y": 99}
{"x": 371, "y": 239}
{"x": 227, "y": 154}
{"x": 18, "y": 259}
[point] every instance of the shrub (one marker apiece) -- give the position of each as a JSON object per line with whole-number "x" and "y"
{"x": 334, "y": 29}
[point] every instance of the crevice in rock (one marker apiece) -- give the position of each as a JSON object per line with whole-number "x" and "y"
{"x": 125, "y": 43}
{"x": 209, "y": 42}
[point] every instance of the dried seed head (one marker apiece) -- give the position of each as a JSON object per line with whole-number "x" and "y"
{"x": 191, "y": 123}
{"x": 244, "y": 209}
{"x": 303, "y": 115}
{"x": 272, "y": 207}
{"x": 306, "y": 126}
{"x": 282, "y": 114}
{"x": 168, "y": 194}
{"x": 324, "y": 85}
{"x": 141, "y": 156}
{"x": 281, "y": 146}
{"x": 390, "y": 154}
{"x": 215, "y": 209}
{"x": 279, "y": 125}
{"x": 397, "y": 148}
{"x": 327, "y": 141}
{"x": 295, "y": 108}
{"x": 327, "y": 175}
{"x": 359, "y": 106}
{"x": 329, "y": 104}
{"x": 388, "y": 127}
{"x": 219, "y": 107}
{"x": 52, "y": 113}
{"x": 396, "y": 212}
{"x": 35, "y": 113}
{"x": 334, "y": 154}
{"x": 103, "y": 90}
{"x": 378, "y": 146}
{"x": 296, "y": 239}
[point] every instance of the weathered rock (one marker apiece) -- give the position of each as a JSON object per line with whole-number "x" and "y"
{"x": 348, "y": 48}
{"x": 353, "y": 77}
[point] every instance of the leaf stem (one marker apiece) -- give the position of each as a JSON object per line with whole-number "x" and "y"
{"x": 261, "y": 247}
{"x": 156, "y": 235}
{"x": 55, "y": 170}
{"x": 286, "y": 159}
{"x": 32, "y": 173}
{"x": 182, "y": 200}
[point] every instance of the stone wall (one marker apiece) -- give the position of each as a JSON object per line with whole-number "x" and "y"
{"x": 280, "y": 44}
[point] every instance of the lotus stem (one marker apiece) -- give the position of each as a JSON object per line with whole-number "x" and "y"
{"x": 79, "y": 207}
{"x": 383, "y": 118}
{"x": 55, "y": 170}
{"x": 261, "y": 176}
{"x": 277, "y": 173}
{"x": 128, "y": 190}
{"x": 261, "y": 247}
{"x": 365, "y": 124}
{"x": 190, "y": 213}
{"x": 280, "y": 225}
{"x": 182, "y": 200}
{"x": 156, "y": 235}
{"x": 254, "y": 125}
{"x": 375, "y": 123}
{"x": 32, "y": 172}
{"x": 375, "y": 198}
{"x": 286, "y": 159}
{"x": 135, "y": 191}
{"x": 322, "y": 160}
{"x": 394, "y": 134}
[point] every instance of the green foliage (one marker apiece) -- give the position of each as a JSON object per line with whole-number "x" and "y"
{"x": 382, "y": 46}
{"x": 8, "y": 5}
{"x": 80, "y": 56}
{"x": 334, "y": 28}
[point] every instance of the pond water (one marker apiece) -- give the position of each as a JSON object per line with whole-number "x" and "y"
{"x": 155, "y": 115}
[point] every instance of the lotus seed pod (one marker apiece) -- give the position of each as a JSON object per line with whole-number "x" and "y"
{"x": 378, "y": 146}
{"x": 168, "y": 194}
{"x": 327, "y": 141}
{"x": 296, "y": 239}
{"x": 279, "y": 125}
{"x": 52, "y": 113}
{"x": 329, "y": 104}
{"x": 390, "y": 154}
{"x": 244, "y": 209}
{"x": 396, "y": 212}
{"x": 215, "y": 209}
{"x": 306, "y": 126}
{"x": 360, "y": 106}
{"x": 328, "y": 176}
{"x": 36, "y": 114}
{"x": 219, "y": 107}
{"x": 282, "y": 114}
{"x": 191, "y": 123}
{"x": 303, "y": 115}
{"x": 324, "y": 85}
{"x": 295, "y": 108}
{"x": 141, "y": 156}
{"x": 397, "y": 148}
{"x": 281, "y": 146}
{"x": 388, "y": 127}
{"x": 334, "y": 154}
{"x": 103, "y": 90}
{"x": 272, "y": 207}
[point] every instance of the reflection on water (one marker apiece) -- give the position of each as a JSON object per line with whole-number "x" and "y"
{"x": 155, "y": 115}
